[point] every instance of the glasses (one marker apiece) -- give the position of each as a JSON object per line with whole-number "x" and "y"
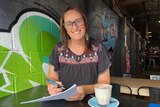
{"x": 77, "y": 22}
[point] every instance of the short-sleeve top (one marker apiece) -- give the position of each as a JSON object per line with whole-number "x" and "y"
{"x": 80, "y": 69}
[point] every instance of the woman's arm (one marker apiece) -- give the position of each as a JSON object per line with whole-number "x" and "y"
{"x": 52, "y": 89}
{"x": 83, "y": 90}
{"x": 104, "y": 77}
{"x": 52, "y": 74}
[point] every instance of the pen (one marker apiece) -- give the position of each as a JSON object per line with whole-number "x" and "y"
{"x": 55, "y": 83}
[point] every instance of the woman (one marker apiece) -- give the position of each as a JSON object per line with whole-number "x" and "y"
{"x": 78, "y": 59}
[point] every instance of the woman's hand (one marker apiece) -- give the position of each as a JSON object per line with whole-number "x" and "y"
{"x": 79, "y": 96}
{"x": 53, "y": 89}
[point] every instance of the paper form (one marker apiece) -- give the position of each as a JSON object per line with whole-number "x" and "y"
{"x": 63, "y": 95}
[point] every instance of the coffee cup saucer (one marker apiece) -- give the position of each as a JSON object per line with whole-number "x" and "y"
{"x": 113, "y": 102}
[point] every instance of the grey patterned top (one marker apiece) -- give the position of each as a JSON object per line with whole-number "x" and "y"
{"x": 80, "y": 69}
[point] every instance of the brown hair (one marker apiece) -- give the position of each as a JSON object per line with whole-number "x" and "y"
{"x": 65, "y": 37}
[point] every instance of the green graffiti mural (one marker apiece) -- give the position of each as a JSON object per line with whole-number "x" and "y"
{"x": 25, "y": 52}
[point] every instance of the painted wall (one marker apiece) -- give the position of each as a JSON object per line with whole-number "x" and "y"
{"x": 100, "y": 27}
{"x": 104, "y": 24}
{"x": 29, "y": 29}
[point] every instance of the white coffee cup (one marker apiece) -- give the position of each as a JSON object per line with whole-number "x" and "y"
{"x": 103, "y": 94}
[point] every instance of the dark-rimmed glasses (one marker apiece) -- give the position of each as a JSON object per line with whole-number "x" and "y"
{"x": 77, "y": 22}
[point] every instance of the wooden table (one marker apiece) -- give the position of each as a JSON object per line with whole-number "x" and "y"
{"x": 135, "y": 83}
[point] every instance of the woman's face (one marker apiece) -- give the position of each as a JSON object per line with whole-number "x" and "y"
{"x": 74, "y": 25}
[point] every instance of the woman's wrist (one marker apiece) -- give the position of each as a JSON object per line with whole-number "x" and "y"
{"x": 88, "y": 89}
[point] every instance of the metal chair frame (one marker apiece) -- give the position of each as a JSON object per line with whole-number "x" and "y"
{"x": 116, "y": 89}
{"x": 154, "y": 93}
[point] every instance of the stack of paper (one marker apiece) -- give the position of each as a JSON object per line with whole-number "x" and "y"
{"x": 63, "y": 95}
